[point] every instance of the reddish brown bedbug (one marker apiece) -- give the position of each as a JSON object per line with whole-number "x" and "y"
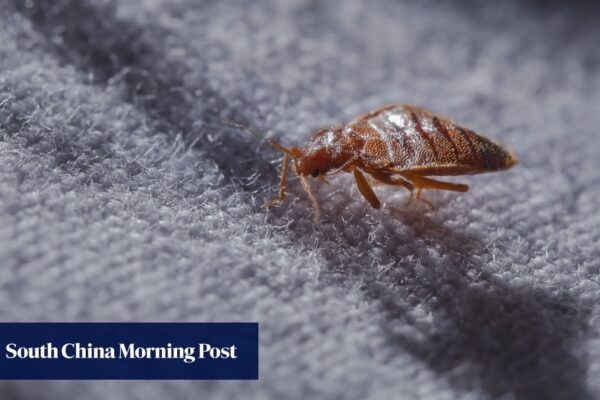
{"x": 399, "y": 145}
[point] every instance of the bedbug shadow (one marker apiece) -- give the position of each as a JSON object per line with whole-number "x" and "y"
{"x": 112, "y": 51}
{"x": 484, "y": 332}
{"x": 518, "y": 341}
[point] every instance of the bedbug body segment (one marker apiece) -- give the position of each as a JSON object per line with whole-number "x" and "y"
{"x": 400, "y": 145}
{"x": 407, "y": 138}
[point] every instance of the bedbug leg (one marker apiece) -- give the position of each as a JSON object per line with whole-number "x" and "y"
{"x": 365, "y": 189}
{"x": 418, "y": 195}
{"x": 322, "y": 178}
{"x": 394, "y": 180}
{"x": 282, "y": 183}
{"x": 421, "y": 182}
{"x": 311, "y": 196}
{"x": 409, "y": 199}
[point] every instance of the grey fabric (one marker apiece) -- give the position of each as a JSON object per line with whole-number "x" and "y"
{"x": 123, "y": 197}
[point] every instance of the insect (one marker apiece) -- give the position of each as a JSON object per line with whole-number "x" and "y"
{"x": 398, "y": 145}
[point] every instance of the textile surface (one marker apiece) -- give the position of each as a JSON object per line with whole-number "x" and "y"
{"x": 124, "y": 197}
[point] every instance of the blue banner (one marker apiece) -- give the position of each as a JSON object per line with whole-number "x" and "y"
{"x": 128, "y": 351}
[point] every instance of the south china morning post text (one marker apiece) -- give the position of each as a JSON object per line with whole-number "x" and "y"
{"x": 129, "y": 351}
{"x": 69, "y": 351}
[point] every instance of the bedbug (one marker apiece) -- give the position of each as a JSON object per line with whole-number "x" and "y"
{"x": 399, "y": 145}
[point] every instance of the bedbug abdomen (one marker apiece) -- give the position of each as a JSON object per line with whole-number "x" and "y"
{"x": 477, "y": 152}
{"x": 410, "y": 138}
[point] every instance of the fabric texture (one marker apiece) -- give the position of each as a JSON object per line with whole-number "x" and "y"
{"x": 124, "y": 197}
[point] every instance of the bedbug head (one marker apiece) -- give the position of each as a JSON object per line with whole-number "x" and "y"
{"x": 314, "y": 162}
{"x": 327, "y": 152}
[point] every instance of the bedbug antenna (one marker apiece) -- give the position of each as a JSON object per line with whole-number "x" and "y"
{"x": 239, "y": 125}
{"x": 261, "y": 136}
